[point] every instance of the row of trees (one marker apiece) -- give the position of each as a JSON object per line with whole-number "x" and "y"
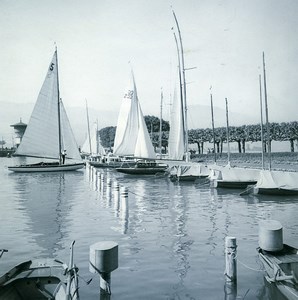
{"x": 286, "y": 131}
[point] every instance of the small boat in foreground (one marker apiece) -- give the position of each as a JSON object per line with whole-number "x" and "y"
{"x": 280, "y": 261}
{"x": 142, "y": 167}
{"x": 282, "y": 270}
{"x": 41, "y": 279}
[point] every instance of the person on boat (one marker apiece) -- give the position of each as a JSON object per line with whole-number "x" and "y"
{"x": 63, "y": 156}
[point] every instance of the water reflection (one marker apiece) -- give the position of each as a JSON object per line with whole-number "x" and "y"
{"x": 46, "y": 199}
{"x": 181, "y": 243}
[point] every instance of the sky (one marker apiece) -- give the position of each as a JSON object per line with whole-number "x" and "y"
{"x": 96, "y": 40}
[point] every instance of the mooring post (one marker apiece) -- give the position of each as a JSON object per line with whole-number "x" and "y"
{"x": 124, "y": 208}
{"x": 116, "y": 196}
{"x": 98, "y": 181}
{"x": 109, "y": 187}
{"x": 124, "y": 198}
{"x": 231, "y": 259}
{"x": 104, "y": 260}
{"x": 102, "y": 183}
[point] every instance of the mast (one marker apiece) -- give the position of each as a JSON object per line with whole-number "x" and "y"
{"x": 213, "y": 132}
{"x": 89, "y": 137}
{"x": 228, "y": 137}
{"x": 266, "y": 110}
{"x": 180, "y": 88}
{"x": 160, "y": 125}
{"x": 262, "y": 134}
{"x": 97, "y": 137}
{"x": 58, "y": 107}
{"x": 184, "y": 88}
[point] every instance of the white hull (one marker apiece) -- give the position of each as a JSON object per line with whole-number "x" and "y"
{"x": 46, "y": 168}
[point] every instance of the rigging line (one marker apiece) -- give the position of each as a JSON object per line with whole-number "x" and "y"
{"x": 246, "y": 266}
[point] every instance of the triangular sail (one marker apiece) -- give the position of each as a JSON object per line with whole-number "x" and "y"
{"x": 41, "y": 135}
{"x": 96, "y": 146}
{"x": 176, "y": 142}
{"x": 41, "y": 138}
{"x": 132, "y": 136}
{"x": 144, "y": 147}
{"x": 67, "y": 137}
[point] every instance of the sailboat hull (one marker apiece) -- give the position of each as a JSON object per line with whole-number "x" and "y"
{"x": 46, "y": 167}
{"x": 233, "y": 184}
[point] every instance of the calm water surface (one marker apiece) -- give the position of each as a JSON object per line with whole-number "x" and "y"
{"x": 170, "y": 236}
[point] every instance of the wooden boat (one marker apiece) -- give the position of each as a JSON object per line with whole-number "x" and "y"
{"x": 41, "y": 279}
{"x": 142, "y": 168}
{"x": 282, "y": 270}
{"x": 48, "y": 131}
{"x": 45, "y": 167}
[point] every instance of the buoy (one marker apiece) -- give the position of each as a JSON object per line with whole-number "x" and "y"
{"x": 104, "y": 260}
{"x": 270, "y": 235}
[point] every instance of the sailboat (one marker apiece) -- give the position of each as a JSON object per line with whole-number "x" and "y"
{"x": 272, "y": 182}
{"x": 229, "y": 176}
{"x": 180, "y": 168}
{"x": 92, "y": 146}
{"x": 132, "y": 137}
{"x": 48, "y": 132}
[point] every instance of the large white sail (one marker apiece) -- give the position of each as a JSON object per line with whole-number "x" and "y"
{"x": 176, "y": 136}
{"x": 41, "y": 138}
{"x": 41, "y": 135}
{"x": 132, "y": 136}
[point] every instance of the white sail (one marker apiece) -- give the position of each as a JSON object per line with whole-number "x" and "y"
{"x": 96, "y": 146}
{"x": 176, "y": 136}
{"x": 41, "y": 135}
{"x": 41, "y": 138}
{"x": 132, "y": 136}
{"x": 68, "y": 141}
{"x": 144, "y": 147}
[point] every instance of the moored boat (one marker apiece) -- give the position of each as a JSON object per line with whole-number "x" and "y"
{"x": 280, "y": 261}
{"x": 41, "y": 279}
{"x": 142, "y": 167}
{"x": 48, "y": 134}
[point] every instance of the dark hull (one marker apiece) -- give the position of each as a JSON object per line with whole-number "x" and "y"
{"x": 276, "y": 191}
{"x": 141, "y": 171}
{"x": 97, "y": 164}
{"x": 234, "y": 184}
{"x": 46, "y": 167}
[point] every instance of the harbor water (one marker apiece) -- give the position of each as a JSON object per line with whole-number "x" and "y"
{"x": 171, "y": 236}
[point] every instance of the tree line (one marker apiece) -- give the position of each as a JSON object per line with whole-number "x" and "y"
{"x": 285, "y": 131}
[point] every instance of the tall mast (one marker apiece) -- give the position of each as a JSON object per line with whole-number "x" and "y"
{"x": 180, "y": 88}
{"x": 228, "y": 135}
{"x": 262, "y": 133}
{"x": 160, "y": 124}
{"x": 266, "y": 109}
{"x": 58, "y": 107}
{"x": 184, "y": 88}
{"x": 213, "y": 132}
{"x": 89, "y": 137}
